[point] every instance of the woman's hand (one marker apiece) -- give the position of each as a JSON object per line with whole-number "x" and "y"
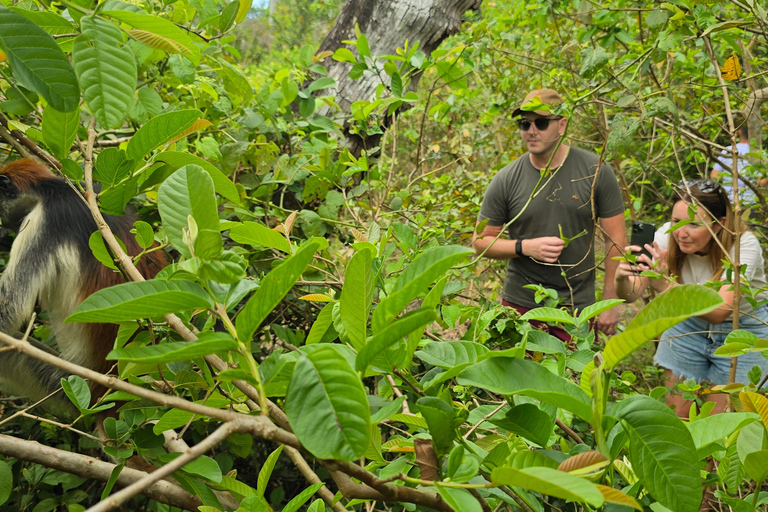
{"x": 628, "y": 269}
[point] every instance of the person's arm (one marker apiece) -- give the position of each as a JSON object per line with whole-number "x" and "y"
{"x": 615, "y": 239}
{"x": 547, "y": 248}
{"x": 722, "y": 313}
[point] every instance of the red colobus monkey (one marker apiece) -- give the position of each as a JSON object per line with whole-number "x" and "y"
{"x": 50, "y": 261}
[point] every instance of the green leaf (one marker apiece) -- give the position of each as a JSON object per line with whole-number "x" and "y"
{"x": 549, "y": 315}
{"x": 513, "y": 376}
{"x": 112, "y": 166}
{"x": 228, "y": 16}
{"x": 221, "y": 183}
{"x": 714, "y": 428}
{"x": 320, "y": 326}
{"x": 59, "y": 130}
{"x": 258, "y": 235}
{"x": 145, "y": 236}
{"x": 356, "y": 297}
{"x": 344, "y": 55}
{"x": 662, "y": 452}
{"x": 275, "y": 286}
{"x": 133, "y": 301}
{"x": 37, "y": 61}
{"x": 100, "y": 251}
{"x": 439, "y": 416}
{"x": 168, "y": 36}
{"x": 595, "y": 309}
{"x": 6, "y": 482}
{"x": 266, "y": 471}
{"x": 207, "y": 343}
{"x": 459, "y": 499}
{"x": 47, "y": 20}
{"x": 425, "y": 269}
{"x": 159, "y": 130}
{"x": 396, "y": 331}
{"x": 172, "y": 419}
{"x": 529, "y": 458}
{"x": 189, "y": 191}
{"x": 528, "y": 421}
{"x": 733, "y": 349}
{"x": 327, "y": 406}
{"x": 77, "y": 391}
{"x": 106, "y": 70}
{"x": 593, "y": 60}
{"x": 756, "y": 465}
{"x": 203, "y": 466}
{"x": 668, "y": 309}
{"x": 550, "y": 482}
{"x": 447, "y": 354}
{"x": 298, "y": 501}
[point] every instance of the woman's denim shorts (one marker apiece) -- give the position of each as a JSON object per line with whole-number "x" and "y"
{"x": 688, "y": 348}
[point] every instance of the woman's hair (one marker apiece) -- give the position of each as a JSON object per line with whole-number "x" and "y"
{"x": 716, "y": 204}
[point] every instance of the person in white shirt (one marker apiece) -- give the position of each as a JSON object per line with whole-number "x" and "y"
{"x": 690, "y": 254}
{"x": 724, "y": 173}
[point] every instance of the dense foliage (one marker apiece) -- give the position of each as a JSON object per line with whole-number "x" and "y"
{"x": 325, "y": 300}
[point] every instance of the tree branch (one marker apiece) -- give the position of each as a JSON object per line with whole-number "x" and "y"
{"x": 95, "y": 469}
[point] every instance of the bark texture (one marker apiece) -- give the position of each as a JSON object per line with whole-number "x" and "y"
{"x": 387, "y": 25}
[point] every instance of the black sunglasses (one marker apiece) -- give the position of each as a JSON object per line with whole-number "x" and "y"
{"x": 542, "y": 123}
{"x": 705, "y": 186}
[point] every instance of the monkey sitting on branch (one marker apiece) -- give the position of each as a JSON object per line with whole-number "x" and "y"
{"x": 51, "y": 262}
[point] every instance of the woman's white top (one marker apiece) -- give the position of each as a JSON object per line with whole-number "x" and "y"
{"x": 696, "y": 269}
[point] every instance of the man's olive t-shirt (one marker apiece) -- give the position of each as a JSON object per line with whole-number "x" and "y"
{"x": 564, "y": 201}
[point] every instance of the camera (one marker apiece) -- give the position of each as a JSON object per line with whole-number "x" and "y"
{"x": 642, "y": 233}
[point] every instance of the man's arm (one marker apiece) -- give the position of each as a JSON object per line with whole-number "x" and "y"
{"x": 615, "y": 241}
{"x": 546, "y": 248}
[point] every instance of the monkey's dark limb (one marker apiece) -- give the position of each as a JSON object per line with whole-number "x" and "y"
{"x": 33, "y": 148}
{"x": 88, "y": 467}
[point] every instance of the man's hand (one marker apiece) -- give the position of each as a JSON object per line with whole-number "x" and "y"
{"x": 607, "y": 321}
{"x": 545, "y": 248}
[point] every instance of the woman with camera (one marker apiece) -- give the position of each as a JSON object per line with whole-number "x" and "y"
{"x": 693, "y": 253}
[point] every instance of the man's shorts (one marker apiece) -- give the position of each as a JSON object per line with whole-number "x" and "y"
{"x": 688, "y": 348}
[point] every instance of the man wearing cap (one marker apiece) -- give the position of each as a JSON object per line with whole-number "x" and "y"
{"x": 567, "y": 196}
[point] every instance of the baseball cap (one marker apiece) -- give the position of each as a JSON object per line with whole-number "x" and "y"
{"x": 546, "y": 96}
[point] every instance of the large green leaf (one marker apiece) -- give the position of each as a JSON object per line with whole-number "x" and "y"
{"x": 550, "y": 315}
{"x": 528, "y": 421}
{"x": 59, "y": 130}
{"x": 221, "y": 183}
{"x": 550, "y": 482}
{"x": 327, "y": 406}
{"x": 253, "y": 233}
{"x": 274, "y": 286}
{"x": 37, "y": 61}
{"x": 356, "y": 296}
{"x": 513, "y": 376}
{"x": 447, "y": 354}
{"x": 379, "y": 343}
{"x": 189, "y": 191}
{"x": 159, "y": 130}
{"x": 106, "y": 70}
{"x": 662, "y": 452}
{"x": 439, "y": 416}
{"x": 167, "y": 36}
{"x": 133, "y": 301}
{"x": 718, "y": 426}
{"x": 425, "y": 269}
{"x": 756, "y": 465}
{"x": 6, "y": 482}
{"x": 47, "y": 20}
{"x": 459, "y": 500}
{"x": 208, "y": 343}
{"x": 660, "y": 314}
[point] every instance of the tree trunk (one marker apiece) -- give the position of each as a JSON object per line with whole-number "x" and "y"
{"x": 754, "y": 119}
{"x": 387, "y": 25}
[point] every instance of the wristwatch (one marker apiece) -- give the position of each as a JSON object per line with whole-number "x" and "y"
{"x": 519, "y": 247}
